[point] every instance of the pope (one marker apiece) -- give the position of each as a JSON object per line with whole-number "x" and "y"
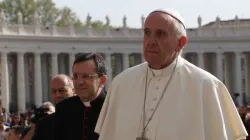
{"x": 168, "y": 98}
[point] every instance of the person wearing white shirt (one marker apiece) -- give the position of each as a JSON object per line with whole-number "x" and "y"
{"x": 168, "y": 98}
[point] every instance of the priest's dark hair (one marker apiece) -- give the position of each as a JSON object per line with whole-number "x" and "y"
{"x": 98, "y": 59}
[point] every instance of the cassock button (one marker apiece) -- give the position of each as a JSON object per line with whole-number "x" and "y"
{"x": 159, "y": 79}
{"x": 157, "y": 88}
{"x": 151, "y": 109}
{"x": 154, "y": 99}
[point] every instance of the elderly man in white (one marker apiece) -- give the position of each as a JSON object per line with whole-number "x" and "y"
{"x": 168, "y": 98}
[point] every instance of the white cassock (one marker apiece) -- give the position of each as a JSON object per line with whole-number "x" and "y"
{"x": 195, "y": 106}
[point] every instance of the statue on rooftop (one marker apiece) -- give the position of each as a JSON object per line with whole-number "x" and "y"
{"x": 124, "y": 21}
{"x": 89, "y": 20}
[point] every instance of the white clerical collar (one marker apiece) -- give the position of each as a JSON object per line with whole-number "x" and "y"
{"x": 87, "y": 104}
{"x": 162, "y": 72}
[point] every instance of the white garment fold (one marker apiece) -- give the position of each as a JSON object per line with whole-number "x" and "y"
{"x": 196, "y": 106}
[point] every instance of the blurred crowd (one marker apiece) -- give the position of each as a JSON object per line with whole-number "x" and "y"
{"x": 244, "y": 112}
{"x": 16, "y": 126}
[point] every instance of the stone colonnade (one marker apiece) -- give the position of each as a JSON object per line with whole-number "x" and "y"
{"x": 232, "y": 68}
{"x": 34, "y": 71}
{"x": 25, "y": 77}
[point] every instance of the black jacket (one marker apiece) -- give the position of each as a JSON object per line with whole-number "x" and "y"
{"x": 74, "y": 121}
{"x": 45, "y": 128}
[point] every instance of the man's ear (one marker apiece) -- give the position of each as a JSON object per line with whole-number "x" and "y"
{"x": 103, "y": 80}
{"x": 182, "y": 42}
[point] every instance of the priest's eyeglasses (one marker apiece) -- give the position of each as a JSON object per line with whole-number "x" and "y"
{"x": 85, "y": 76}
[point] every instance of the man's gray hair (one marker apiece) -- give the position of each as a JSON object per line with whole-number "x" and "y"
{"x": 179, "y": 28}
{"x": 180, "y": 31}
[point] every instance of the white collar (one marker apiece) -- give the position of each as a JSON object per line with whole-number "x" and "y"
{"x": 162, "y": 72}
{"x": 87, "y": 104}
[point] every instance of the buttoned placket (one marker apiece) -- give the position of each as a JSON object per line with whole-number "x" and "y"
{"x": 155, "y": 88}
{"x": 85, "y": 127}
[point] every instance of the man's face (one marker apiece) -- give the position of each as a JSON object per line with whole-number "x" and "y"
{"x": 60, "y": 89}
{"x": 12, "y": 135}
{"x": 160, "y": 39}
{"x": 86, "y": 80}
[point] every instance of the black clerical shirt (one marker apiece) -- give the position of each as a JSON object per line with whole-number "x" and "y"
{"x": 75, "y": 121}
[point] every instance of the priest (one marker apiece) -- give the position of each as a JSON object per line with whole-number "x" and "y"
{"x": 76, "y": 116}
{"x": 168, "y": 98}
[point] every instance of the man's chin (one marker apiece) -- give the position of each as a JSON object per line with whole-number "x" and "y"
{"x": 84, "y": 98}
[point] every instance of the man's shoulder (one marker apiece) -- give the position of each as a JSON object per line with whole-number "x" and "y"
{"x": 194, "y": 72}
{"x": 48, "y": 119}
{"x": 68, "y": 101}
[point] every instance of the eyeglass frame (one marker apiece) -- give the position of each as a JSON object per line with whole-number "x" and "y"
{"x": 88, "y": 76}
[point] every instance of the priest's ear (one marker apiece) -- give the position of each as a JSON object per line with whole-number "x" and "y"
{"x": 103, "y": 80}
{"x": 182, "y": 42}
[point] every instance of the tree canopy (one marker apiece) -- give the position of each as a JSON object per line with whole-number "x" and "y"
{"x": 46, "y": 10}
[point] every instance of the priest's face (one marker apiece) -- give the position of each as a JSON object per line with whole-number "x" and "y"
{"x": 160, "y": 40}
{"x": 86, "y": 80}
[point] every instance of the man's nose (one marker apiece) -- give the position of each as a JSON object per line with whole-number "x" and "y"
{"x": 58, "y": 94}
{"x": 151, "y": 41}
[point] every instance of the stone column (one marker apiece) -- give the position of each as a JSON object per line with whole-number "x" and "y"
{"x": 219, "y": 65}
{"x": 247, "y": 76}
{"x": 21, "y": 83}
{"x": 229, "y": 72}
{"x": 200, "y": 60}
{"x": 5, "y": 81}
{"x": 118, "y": 64}
{"x": 38, "y": 79}
{"x": 125, "y": 61}
{"x": 238, "y": 77}
{"x": 71, "y": 61}
{"x": 109, "y": 72}
{"x": 61, "y": 64}
{"x": 45, "y": 78}
{"x": 54, "y": 58}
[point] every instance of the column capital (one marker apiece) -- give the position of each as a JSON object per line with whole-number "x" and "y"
{"x": 20, "y": 53}
{"x": 126, "y": 53}
{"x": 54, "y": 54}
{"x": 4, "y": 54}
{"x": 238, "y": 53}
{"x": 107, "y": 53}
{"x": 38, "y": 53}
{"x": 72, "y": 53}
{"x": 199, "y": 52}
{"x": 219, "y": 52}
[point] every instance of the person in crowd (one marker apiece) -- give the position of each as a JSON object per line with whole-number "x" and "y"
{"x": 16, "y": 120}
{"x": 3, "y": 127}
{"x": 167, "y": 97}
{"x": 29, "y": 132}
{"x": 15, "y": 133}
{"x": 61, "y": 87}
{"x": 76, "y": 116}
